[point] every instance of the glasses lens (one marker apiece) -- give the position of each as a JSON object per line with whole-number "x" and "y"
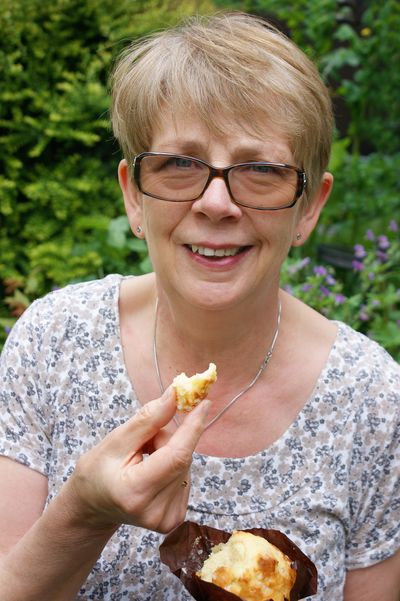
{"x": 172, "y": 177}
{"x": 263, "y": 185}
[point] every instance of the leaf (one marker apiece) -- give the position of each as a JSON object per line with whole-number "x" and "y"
{"x": 338, "y": 154}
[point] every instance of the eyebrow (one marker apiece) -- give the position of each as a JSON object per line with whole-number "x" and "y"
{"x": 244, "y": 153}
{"x": 187, "y": 146}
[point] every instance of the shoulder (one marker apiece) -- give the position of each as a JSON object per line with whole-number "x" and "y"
{"x": 365, "y": 361}
{"x": 370, "y": 382}
{"x": 360, "y": 389}
{"x": 75, "y": 295}
{"x": 62, "y": 313}
{"x": 369, "y": 410}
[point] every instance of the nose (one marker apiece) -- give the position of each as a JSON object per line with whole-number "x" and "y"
{"x": 216, "y": 201}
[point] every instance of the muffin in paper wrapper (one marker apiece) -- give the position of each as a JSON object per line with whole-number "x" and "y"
{"x": 187, "y": 547}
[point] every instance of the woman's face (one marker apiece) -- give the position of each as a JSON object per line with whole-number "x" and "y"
{"x": 212, "y": 252}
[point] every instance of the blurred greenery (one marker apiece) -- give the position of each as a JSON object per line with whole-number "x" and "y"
{"x": 61, "y": 213}
{"x": 60, "y": 204}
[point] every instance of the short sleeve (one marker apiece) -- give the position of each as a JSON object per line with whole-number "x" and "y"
{"x": 25, "y": 424}
{"x": 374, "y": 483}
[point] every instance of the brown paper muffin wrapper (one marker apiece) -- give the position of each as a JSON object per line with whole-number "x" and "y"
{"x": 187, "y": 547}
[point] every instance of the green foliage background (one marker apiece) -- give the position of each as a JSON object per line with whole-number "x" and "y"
{"x": 58, "y": 161}
{"x": 61, "y": 213}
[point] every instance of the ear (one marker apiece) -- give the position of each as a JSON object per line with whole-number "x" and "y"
{"x": 309, "y": 217}
{"x": 132, "y": 199}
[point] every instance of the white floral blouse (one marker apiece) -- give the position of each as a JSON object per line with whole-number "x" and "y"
{"x": 331, "y": 482}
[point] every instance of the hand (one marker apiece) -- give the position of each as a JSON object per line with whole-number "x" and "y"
{"x": 113, "y": 483}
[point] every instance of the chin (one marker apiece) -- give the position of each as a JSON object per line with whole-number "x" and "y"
{"x": 214, "y": 296}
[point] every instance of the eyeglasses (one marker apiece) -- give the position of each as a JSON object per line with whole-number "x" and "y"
{"x": 258, "y": 185}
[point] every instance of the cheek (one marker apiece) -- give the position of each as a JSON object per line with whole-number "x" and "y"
{"x": 160, "y": 223}
{"x": 164, "y": 216}
{"x": 156, "y": 218}
{"x": 277, "y": 229}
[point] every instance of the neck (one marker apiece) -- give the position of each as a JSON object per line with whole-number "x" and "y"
{"x": 237, "y": 339}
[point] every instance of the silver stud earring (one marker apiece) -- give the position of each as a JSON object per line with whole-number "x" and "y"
{"x": 139, "y": 229}
{"x": 298, "y": 236}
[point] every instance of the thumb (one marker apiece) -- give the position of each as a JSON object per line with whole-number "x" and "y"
{"x": 146, "y": 423}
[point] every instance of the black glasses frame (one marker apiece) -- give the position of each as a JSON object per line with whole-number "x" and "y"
{"x": 224, "y": 173}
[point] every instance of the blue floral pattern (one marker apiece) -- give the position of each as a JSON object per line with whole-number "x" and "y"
{"x": 331, "y": 482}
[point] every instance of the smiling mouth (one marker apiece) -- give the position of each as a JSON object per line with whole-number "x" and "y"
{"x": 216, "y": 252}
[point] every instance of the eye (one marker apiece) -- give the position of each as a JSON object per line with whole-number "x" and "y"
{"x": 183, "y": 162}
{"x": 257, "y": 168}
{"x": 179, "y": 162}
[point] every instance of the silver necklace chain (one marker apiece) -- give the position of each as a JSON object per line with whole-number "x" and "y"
{"x": 261, "y": 369}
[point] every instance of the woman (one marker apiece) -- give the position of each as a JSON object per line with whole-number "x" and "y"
{"x": 225, "y": 128}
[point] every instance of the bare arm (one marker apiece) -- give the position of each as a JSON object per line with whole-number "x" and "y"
{"x": 22, "y": 499}
{"x": 111, "y": 485}
{"x": 52, "y": 559}
{"x": 378, "y": 582}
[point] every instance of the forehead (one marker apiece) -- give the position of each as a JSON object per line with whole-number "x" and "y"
{"x": 186, "y": 133}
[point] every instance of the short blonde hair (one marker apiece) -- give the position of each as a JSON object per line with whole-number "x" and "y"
{"x": 230, "y": 64}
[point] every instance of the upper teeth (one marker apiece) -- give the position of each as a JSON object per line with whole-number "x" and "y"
{"x": 215, "y": 252}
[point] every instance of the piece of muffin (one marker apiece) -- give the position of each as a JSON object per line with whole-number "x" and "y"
{"x": 250, "y": 567}
{"x": 190, "y": 391}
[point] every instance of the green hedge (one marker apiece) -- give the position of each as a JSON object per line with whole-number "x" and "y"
{"x": 59, "y": 198}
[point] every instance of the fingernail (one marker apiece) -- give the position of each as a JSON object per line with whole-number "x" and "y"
{"x": 167, "y": 393}
{"x": 205, "y": 407}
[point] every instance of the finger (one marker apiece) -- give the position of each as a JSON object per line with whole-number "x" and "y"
{"x": 144, "y": 425}
{"x": 163, "y": 436}
{"x": 189, "y": 432}
{"x": 172, "y": 461}
{"x": 159, "y": 440}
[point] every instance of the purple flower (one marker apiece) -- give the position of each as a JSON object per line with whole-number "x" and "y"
{"x": 370, "y": 235}
{"x": 357, "y": 265}
{"x": 393, "y": 227}
{"x": 320, "y": 270}
{"x": 381, "y": 256}
{"x": 330, "y": 280}
{"x": 363, "y": 315}
{"x": 7, "y": 329}
{"x": 306, "y": 287}
{"x": 383, "y": 242}
{"x": 359, "y": 251}
{"x": 304, "y": 262}
{"x": 325, "y": 291}
{"x": 295, "y": 267}
{"x": 339, "y": 299}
